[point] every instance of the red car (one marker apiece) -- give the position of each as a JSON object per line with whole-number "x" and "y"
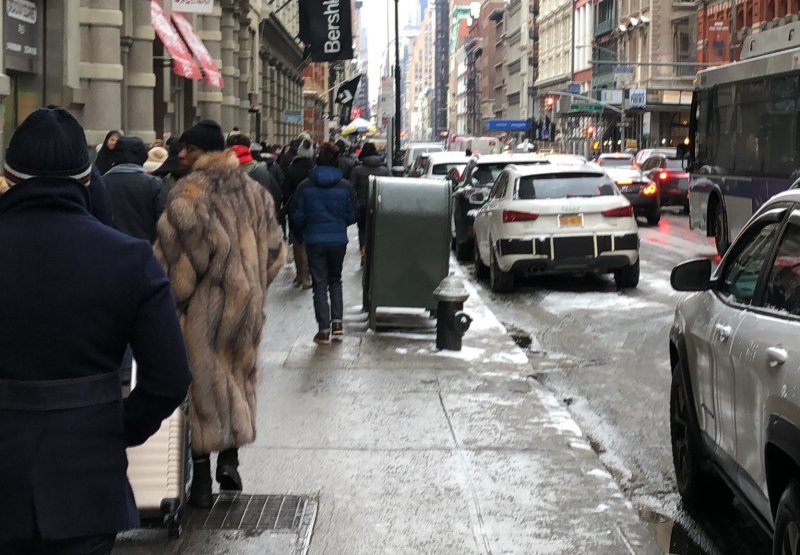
{"x": 672, "y": 178}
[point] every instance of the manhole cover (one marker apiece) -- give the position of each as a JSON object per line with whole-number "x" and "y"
{"x": 255, "y": 513}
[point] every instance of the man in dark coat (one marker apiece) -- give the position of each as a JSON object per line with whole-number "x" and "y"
{"x": 371, "y": 164}
{"x": 258, "y": 170}
{"x": 324, "y": 206}
{"x": 346, "y": 160}
{"x": 138, "y": 198}
{"x": 298, "y": 171}
{"x": 75, "y": 293}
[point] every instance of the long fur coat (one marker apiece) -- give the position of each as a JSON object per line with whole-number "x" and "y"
{"x": 221, "y": 245}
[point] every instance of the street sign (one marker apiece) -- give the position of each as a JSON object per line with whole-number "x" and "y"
{"x": 638, "y": 98}
{"x": 508, "y": 125}
{"x": 623, "y": 74}
{"x": 594, "y": 108}
{"x": 292, "y": 116}
{"x": 574, "y": 88}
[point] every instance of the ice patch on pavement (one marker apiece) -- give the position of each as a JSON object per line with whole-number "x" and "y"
{"x": 401, "y": 351}
{"x": 468, "y": 354}
{"x": 507, "y": 358}
{"x": 560, "y": 418}
{"x": 411, "y": 336}
{"x": 564, "y": 303}
{"x": 599, "y": 473}
{"x": 601, "y": 508}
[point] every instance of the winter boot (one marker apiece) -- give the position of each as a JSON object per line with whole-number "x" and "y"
{"x": 200, "y": 494}
{"x": 228, "y": 470}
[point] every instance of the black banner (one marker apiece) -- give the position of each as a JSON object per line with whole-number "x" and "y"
{"x": 326, "y": 27}
{"x": 345, "y": 96}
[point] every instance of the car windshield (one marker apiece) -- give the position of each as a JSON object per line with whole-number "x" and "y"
{"x": 564, "y": 185}
{"x": 442, "y": 169}
{"x": 675, "y": 164}
{"x": 616, "y": 162}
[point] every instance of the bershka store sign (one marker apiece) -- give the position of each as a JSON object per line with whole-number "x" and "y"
{"x": 21, "y": 34}
{"x": 326, "y": 27}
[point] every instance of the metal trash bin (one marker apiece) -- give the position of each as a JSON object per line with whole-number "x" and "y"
{"x": 408, "y": 243}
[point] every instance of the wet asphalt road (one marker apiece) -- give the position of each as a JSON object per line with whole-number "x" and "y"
{"x": 605, "y": 354}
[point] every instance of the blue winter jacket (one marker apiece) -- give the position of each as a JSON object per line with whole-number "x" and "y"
{"x": 324, "y": 205}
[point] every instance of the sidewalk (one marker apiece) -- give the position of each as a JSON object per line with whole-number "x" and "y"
{"x": 405, "y": 450}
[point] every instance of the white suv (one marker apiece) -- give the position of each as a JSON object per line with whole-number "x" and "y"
{"x": 549, "y": 218}
{"x": 735, "y": 394}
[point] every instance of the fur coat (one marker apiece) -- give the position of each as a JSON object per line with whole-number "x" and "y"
{"x": 221, "y": 245}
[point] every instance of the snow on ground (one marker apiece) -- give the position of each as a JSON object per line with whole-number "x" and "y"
{"x": 564, "y": 303}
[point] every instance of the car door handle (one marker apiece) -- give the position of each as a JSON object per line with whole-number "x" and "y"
{"x": 776, "y": 356}
{"x": 724, "y": 332}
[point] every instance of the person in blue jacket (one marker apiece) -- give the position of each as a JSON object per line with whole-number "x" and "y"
{"x": 74, "y": 293}
{"x": 323, "y": 207}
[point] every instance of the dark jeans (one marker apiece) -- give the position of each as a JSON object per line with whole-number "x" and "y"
{"x": 92, "y": 545}
{"x": 325, "y": 263}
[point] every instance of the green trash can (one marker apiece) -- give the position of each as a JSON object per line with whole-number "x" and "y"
{"x": 408, "y": 243}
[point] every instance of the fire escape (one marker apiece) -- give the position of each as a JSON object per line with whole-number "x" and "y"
{"x": 474, "y": 52}
{"x": 442, "y": 67}
{"x": 533, "y": 60}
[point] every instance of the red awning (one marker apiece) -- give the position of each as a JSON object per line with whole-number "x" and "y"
{"x": 212, "y": 72}
{"x": 184, "y": 65}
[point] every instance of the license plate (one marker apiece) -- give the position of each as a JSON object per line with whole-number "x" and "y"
{"x": 570, "y": 220}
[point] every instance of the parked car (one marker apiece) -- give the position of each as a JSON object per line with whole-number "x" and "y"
{"x": 547, "y": 218}
{"x": 640, "y": 190}
{"x": 646, "y": 153}
{"x": 735, "y": 357}
{"x": 413, "y": 150}
{"x": 672, "y": 178}
{"x": 471, "y": 191}
{"x": 616, "y": 160}
{"x": 438, "y": 164}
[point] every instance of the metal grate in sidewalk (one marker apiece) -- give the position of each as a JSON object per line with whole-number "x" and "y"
{"x": 255, "y": 513}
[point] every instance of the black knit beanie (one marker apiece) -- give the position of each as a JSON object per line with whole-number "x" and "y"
{"x": 133, "y": 150}
{"x": 49, "y": 143}
{"x": 205, "y": 135}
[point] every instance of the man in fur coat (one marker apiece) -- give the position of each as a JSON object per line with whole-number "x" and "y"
{"x": 221, "y": 245}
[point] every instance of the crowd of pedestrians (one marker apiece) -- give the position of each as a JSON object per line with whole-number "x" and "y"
{"x": 162, "y": 254}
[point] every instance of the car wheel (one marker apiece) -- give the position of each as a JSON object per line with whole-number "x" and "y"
{"x": 654, "y": 216}
{"x": 627, "y": 277}
{"x": 786, "y": 540}
{"x": 464, "y": 250}
{"x": 697, "y": 487}
{"x": 481, "y": 270}
{"x": 500, "y": 281}
{"x": 720, "y": 235}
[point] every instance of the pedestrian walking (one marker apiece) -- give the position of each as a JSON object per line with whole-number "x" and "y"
{"x": 221, "y": 245}
{"x": 138, "y": 199}
{"x": 298, "y": 171}
{"x": 108, "y": 156}
{"x": 346, "y": 160}
{"x": 371, "y": 164}
{"x": 240, "y": 144}
{"x": 324, "y": 206}
{"x": 75, "y": 293}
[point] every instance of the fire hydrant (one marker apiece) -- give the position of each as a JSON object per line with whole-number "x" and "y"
{"x": 451, "y": 321}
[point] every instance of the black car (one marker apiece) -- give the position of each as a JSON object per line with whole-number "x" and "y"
{"x": 672, "y": 178}
{"x": 643, "y": 193}
{"x": 471, "y": 191}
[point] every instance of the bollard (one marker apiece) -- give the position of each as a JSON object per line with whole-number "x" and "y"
{"x": 451, "y": 321}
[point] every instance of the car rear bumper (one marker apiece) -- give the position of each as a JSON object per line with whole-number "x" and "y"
{"x": 593, "y": 253}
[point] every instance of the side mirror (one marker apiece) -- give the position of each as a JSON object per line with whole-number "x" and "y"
{"x": 478, "y": 197}
{"x": 693, "y": 275}
{"x": 398, "y": 171}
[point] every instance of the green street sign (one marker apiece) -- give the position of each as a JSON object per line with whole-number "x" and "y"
{"x": 594, "y": 108}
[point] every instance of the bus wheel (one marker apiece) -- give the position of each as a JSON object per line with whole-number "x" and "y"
{"x": 720, "y": 232}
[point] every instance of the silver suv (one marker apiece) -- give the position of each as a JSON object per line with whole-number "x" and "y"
{"x": 735, "y": 353}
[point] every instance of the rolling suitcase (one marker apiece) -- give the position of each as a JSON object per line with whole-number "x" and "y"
{"x": 159, "y": 471}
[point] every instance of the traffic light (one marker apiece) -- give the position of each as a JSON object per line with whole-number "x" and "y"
{"x": 590, "y": 130}
{"x": 549, "y": 102}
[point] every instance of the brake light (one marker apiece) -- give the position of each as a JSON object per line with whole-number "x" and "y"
{"x": 663, "y": 176}
{"x": 513, "y": 216}
{"x": 650, "y": 189}
{"x": 621, "y": 212}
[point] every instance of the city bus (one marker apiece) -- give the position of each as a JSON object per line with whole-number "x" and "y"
{"x": 743, "y": 145}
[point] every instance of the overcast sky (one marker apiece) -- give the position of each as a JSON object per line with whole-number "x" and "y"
{"x": 375, "y": 15}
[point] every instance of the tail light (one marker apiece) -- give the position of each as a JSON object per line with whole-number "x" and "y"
{"x": 650, "y": 189}
{"x": 513, "y": 216}
{"x": 621, "y": 212}
{"x": 663, "y": 176}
